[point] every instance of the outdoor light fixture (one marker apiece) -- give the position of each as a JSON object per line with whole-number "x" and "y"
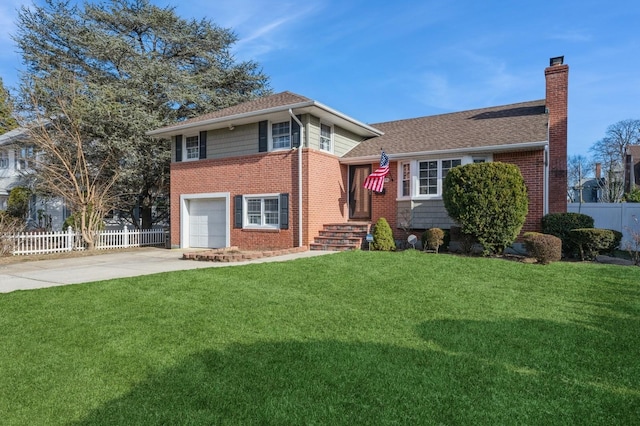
{"x": 558, "y": 60}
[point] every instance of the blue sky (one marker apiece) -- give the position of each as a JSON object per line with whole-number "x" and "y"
{"x": 386, "y": 60}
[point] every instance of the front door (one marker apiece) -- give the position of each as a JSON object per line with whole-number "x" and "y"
{"x": 359, "y": 196}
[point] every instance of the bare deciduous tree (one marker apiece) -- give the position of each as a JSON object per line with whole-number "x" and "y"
{"x": 610, "y": 151}
{"x": 68, "y": 162}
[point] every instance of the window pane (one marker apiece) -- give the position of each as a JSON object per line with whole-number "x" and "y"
{"x": 280, "y": 135}
{"x": 325, "y": 137}
{"x": 4, "y": 160}
{"x": 263, "y": 211}
{"x": 192, "y": 147}
{"x": 428, "y": 177}
{"x": 449, "y": 164}
{"x": 406, "y": 179}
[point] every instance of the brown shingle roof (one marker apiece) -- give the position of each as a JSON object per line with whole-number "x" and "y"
{"x": 264, "y": 103}
{"x": 500, "y": 125}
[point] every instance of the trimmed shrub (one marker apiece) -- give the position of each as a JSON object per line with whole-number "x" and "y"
{"x": 560, "y": 224}
{"x": 489, "y": 201}
{"x": 383, "y": 236}
{"x": 544, "y": 248}
{"x": 18, "y": 202}
{"x": 592, "y": 241}
{"x": 432, "y": 239}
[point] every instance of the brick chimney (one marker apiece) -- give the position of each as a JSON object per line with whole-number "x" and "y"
{"x": 557, "y": 83}
{"x": 598, "y": 171}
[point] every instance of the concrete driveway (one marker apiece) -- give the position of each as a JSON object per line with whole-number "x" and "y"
{"x": 29, "y": 275}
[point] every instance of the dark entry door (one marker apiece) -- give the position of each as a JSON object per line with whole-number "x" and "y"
{"x": 359, "y": 196}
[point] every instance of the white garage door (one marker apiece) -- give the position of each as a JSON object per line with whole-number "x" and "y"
{"x": 207, "y": 227}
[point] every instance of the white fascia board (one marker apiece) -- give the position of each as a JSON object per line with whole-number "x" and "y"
{"x": 372, "y": 130}
{"x": 459, "y": 151}
{"x": 176, "y": 129}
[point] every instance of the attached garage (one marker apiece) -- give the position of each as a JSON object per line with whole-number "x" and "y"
{"x": 204, "y": 220}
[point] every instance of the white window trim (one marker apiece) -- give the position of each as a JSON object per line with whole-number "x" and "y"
{"x": 185, "y": 155}
{"x": 415, "y": 175}
{"x": 270, "y": 129}
{"x": 245, "y": 211}
{"x": 331, "y": 137}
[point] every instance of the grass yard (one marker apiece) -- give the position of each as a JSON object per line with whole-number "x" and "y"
{"x": 351, "y": 338}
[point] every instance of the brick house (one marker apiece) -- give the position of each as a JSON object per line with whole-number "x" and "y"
{"x": 632, "y": 168}
{"x": 273, "y": 172}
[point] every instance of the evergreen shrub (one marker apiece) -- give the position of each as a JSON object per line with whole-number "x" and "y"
{"x": 560, "y": 224}
{"x": 488, "y": 201}
{"x": 544, "y": 248}
{"x": 383, "y": 236}
{"x": 592, "y": 241}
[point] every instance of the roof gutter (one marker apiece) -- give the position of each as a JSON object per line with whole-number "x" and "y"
{"x": 459, "y": 151}
{"x": 169, "y": 130}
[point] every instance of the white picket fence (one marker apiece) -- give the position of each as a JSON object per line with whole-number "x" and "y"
{"x": 58, "y": 242}
{"x": 623, "y": 217}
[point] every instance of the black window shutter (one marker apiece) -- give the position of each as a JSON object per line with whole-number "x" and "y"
{"x": 203, "y": 145}
{"x": 284, "y": 211}
{"x": 178, "y": 148}
{"x": 237, "y": 211}
{"x": 263, "y": 132}
{"x": 295, "y": 133}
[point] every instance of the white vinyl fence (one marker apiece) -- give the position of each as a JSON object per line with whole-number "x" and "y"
{"x": 623, "y": 217}
{"x": 58, "y": 242}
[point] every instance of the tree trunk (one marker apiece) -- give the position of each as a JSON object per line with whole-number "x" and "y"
{"x": 146, "y": 216}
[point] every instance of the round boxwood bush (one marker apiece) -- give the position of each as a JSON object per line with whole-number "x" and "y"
{"x": 489, "y": 201}
{"x": 544, "y": 248}
{"x": 383, "y": 236}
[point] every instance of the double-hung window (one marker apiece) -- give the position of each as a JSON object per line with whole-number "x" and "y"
{"x": 263, "y": 211}
{"x": 281, "y": 135}
{"x": 24, "y": 158}
{"x": 192, "y": 148}
{"x": 423, "y": 179}
{"x": 4, "y": 160}
{"x": 325, "y": 137}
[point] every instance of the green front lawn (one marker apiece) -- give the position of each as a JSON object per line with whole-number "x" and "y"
{"x": 351, "y": 338}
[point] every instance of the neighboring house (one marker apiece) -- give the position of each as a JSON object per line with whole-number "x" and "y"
{"x": 632, "y": 168}
{"x": 16, "y": 159}
{"x": 271, "y": 173}
{"x": 588, "y": 190}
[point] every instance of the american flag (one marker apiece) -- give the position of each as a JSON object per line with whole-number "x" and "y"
{"x": 375, "y": 181}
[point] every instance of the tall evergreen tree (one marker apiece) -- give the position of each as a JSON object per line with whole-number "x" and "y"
{"x": 7, "y": 120}
{"x": 141, "y": 67}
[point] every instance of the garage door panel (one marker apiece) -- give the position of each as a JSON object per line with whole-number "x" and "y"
{"x": 207, "y": 223}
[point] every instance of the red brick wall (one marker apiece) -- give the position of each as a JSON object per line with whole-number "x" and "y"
{"x": 531, "y": 164}
{"x": 557, "y": 82}
{"x": 325, "y": 192}
{"x": 324, "y": 197}
{"x": 252, "y": 174}
{"x": 385, "y": 205}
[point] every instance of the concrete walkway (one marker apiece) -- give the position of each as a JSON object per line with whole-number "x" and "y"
{"x": 29, "y": 275}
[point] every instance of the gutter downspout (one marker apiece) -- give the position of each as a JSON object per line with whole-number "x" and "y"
{"x": 302, "y": 131}
{"x": 545, "y": 200}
